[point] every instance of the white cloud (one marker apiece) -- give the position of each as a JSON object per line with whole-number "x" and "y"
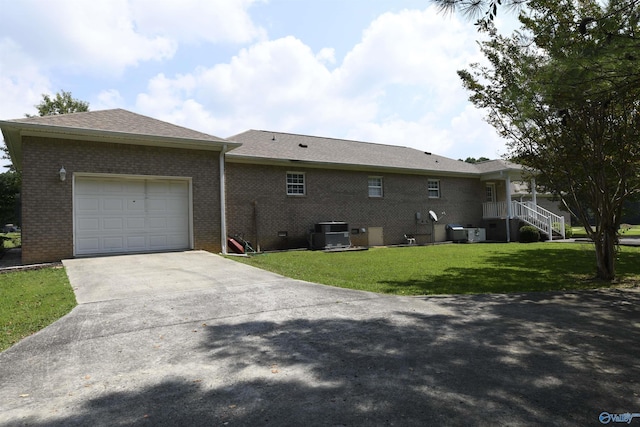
{"x": 327, "y": 55}
{"x": 21, "y": 83}
{"x": 477, "y": 136}
{"x": 276, "y": 84}
{"x": 410, "y": 48}
{"x": 197, "y": 20}
{"x": 398, "y": 85}
{"x": 108, "y": 99}
{"x": 78, "y": 36}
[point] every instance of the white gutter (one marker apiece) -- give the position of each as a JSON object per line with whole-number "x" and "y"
{"x": 223, "y": 204}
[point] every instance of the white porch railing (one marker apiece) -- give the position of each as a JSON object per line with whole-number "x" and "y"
{"x": 541, "y": 218}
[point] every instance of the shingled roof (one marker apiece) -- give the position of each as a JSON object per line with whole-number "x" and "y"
{"x": 117, "y": 125}
{"x": 259, "y": 146}
{"x": 267, "y": 147}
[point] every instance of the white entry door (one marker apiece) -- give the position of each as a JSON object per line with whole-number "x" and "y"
{"x": 120, "y": 215}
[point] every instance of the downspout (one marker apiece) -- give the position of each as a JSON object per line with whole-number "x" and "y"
{"x": 223, "y": 204}
{"x": 509, "y": 207}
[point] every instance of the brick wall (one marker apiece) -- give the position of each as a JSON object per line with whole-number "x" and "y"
{"x": 47, "y": 205}
{"x": 258, "y": 207}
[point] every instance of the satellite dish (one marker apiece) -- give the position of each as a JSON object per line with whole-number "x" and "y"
{"x": 433, "y": 216}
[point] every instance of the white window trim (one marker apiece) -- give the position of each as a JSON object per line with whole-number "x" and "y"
{"x": 304, "y": 184}
{"x": 429, "y": 189}
{"x": 492, "y": 186}
{"x": 370, "y": 187}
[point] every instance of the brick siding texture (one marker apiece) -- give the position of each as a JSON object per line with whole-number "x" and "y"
{"x": 259, "y": 208}
{"x": 47, "y": 203}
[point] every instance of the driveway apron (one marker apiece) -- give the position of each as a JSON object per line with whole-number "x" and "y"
{"x": 191, "y": 338}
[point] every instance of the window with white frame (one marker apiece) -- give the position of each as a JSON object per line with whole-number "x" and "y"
{"x": 295, "y": 184}
{"x": 491, "y": 192}
{"x": 433, "y": 188}
{"x": 375, "y": 186}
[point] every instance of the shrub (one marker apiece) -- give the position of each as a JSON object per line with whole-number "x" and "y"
{"x": 568, "y": 233}
{"x": 529, "y": 234}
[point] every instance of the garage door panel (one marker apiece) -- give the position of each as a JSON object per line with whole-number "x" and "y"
{"x": 89, "y": 204}
{"x": 88, "y": 245}
{"x": 157, "y": 242}
{"x": 157, "y": 205}
{"x": 130, "y": 215}
{"x": 135, "y": 223}
{"x": 113, "y": 243}
{"x": 109, "y": 224}
{"x": 136, "y": 243}
{"x": 135, "y": 205}
{"x": 88, "y": 224}
{"x": 112, "y": 205}
{"x": 158, "y": 223}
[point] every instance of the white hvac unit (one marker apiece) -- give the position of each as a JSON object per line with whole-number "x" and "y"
{"x": 476, "y": 234}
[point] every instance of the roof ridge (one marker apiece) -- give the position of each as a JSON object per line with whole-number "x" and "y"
{"x": 331, "y": 138}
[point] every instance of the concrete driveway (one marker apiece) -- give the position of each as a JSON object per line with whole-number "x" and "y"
{"x": 194, "y": 339}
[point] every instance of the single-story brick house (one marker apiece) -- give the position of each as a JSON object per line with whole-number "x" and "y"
{"x": 114, "y": 182}
{"x": 111, "y": 182}
{"x": 279, "y": 185}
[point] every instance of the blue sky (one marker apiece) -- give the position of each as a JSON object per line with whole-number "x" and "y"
{"x": 382, "y": 71}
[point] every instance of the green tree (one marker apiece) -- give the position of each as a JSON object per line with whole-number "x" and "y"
{"x": 565, "y": 92}
{"x": 62, "y": 103}
{"x": 483, "y": 10}
{"x": 473, "y": 160}
{"x": 9, "y": 190}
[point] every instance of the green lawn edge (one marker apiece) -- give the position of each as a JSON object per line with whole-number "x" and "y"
{"x": 31, "y": 300}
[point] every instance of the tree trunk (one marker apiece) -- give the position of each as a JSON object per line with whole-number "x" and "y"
{"x": 606, "y": 250}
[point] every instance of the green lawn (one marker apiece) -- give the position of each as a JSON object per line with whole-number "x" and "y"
{"x": 453, "y": 268}
{"x": 625, "y": 231}
{"x": 31, "y": 300}
{"x": 11, "y": 240}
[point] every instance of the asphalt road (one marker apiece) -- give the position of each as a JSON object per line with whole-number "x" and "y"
{"x": 194, "y": 339}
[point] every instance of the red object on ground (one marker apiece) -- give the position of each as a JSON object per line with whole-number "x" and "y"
{"x": 235, "y": 246}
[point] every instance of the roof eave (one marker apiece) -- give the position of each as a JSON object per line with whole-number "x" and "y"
{"x": 14, "y": 131}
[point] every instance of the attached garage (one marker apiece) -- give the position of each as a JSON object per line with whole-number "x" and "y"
{"x": 123, "y": 214}
{"x": 113, "y": 182}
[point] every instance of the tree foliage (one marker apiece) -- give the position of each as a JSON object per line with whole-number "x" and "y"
{"x": 9, "y": 190}
{"x": 473, "y": 160}
{"x": 484, "y": 11}
{"x": 565, "y": 92}
{"x": 62, "y": 103}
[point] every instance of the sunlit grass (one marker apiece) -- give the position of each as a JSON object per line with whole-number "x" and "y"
{"x": 31, "y": 300}
{"x": 626, "y": 230}
{"x": 452, "y": 268}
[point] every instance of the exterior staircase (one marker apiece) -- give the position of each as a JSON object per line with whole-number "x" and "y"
{"x": 544, "y": 220}
{"x": 539, "y": 217}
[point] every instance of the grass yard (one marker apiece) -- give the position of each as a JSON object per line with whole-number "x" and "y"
{"x": 11, "y": 240}
{"x": 453, "y": 268}
{"x": 625, "y": 231}
{"x": 31, "y": 300}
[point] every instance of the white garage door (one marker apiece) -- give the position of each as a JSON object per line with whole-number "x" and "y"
{"x": 117, "y": 215}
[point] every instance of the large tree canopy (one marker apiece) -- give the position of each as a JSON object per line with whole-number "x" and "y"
{"x": 565, "y": 92}
{"x": 62, "y": 103}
